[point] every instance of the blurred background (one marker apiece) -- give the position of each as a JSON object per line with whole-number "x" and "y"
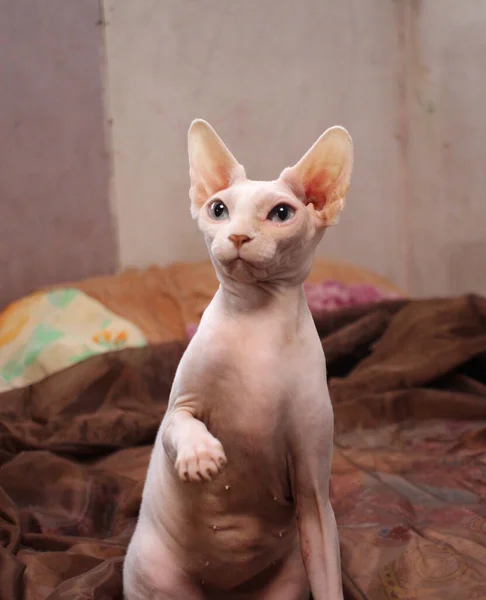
{"x": 97, "y": 97}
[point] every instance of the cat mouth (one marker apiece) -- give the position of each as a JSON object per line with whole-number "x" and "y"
{"x": 241, "y": 260}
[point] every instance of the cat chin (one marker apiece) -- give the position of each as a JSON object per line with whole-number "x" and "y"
{"x": 244, "y": 271}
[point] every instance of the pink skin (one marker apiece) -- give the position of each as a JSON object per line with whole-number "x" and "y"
{"x": 236, "y": 501}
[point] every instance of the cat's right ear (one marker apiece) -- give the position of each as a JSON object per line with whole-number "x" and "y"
{"x": 212, "y": 167}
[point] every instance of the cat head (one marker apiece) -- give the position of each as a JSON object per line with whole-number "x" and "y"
{"x": 266, "y": 231}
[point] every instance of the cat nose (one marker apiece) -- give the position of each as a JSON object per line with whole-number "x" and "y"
{"x": 239, "y": 240}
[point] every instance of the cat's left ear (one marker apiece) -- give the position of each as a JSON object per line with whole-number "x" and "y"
{"x": 212, "y": 166}
{"x": 323, "y": 174}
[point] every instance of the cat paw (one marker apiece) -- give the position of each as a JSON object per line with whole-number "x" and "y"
{"x": 200, "y": 460}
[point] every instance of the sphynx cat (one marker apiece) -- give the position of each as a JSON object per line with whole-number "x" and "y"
{"x": 236, "y": 500}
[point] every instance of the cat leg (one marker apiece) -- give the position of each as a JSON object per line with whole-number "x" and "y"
{"x": 311, "y": 460}
{"x": 197, "y": 455}
{"x": 289, "y": 583}
{"x": 151, "y": 572}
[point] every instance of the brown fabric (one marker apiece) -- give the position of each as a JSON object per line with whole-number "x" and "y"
{"x": 162, "y": 301}
{"x": 408, "y": 381}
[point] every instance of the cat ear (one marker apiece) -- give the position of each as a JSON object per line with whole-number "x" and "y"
{"x": 212, "y": 167}
{"x": 323, "y": 174}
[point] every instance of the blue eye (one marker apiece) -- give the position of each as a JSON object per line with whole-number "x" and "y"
{"x": 281, "y": 213}
{"x": 218, "y": 210}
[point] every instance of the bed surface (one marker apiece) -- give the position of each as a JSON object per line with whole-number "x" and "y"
{"x": 408, "y": 381}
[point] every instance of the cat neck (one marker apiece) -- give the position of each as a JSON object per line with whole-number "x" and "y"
{"x": 237, "y": 297}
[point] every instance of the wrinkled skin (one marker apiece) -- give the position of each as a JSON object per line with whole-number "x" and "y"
{"x": 236, "y": 501}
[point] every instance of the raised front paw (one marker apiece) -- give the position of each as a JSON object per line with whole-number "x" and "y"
{"x": 201, "y": 459}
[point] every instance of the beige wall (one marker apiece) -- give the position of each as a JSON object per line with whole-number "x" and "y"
{"x": 445, "y": 46}
{"x": 55, "y": 222}
{"x": 406, "y": 77}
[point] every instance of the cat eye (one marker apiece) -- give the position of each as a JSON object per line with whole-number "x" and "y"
{"x": 218, "y": 210}
{"x": 281, "y": 213}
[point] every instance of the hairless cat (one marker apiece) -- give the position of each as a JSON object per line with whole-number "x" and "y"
{"x": 236, "y": 500}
